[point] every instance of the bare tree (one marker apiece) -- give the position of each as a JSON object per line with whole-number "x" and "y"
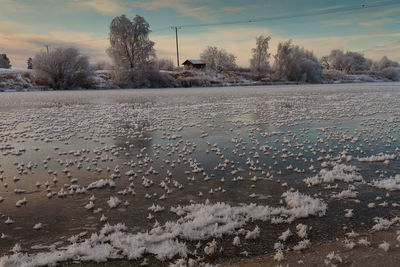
{"x": 218, "y": 59}
{"x": 4, "y": 61}
{"x": 63, "y": 68}
{"x": 259, "y": 63}
{"x": 130, "y": 47}
{"x": 293, "y": 63}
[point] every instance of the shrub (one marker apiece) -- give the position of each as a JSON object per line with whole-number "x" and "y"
{"x": 62, "y": 68}
{"x": 164, "y": 64}
{"x": 392, "y": 73}
{"x": 143, "y": 78}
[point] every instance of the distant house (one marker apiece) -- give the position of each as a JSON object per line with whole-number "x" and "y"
{"x": 194, "y": 64}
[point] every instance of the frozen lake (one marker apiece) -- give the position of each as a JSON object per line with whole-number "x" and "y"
{"x": 200, "y": 174}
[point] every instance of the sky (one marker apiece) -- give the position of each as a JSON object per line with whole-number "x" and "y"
{"x": 371, "y": 27}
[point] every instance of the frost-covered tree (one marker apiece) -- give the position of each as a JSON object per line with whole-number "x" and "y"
{"x": 336, "y": 60}
{"x": 29, "y": 63}
{"x": 384, "y": 63}
{"x": 131, "y": 51}
{"x": 4, "y": 61}
{"x": 63, "y": 68}
{"x": 130, "y": 47}
{"x": 293, "y": 63}
{"x": 354, "y": 61}
{"x": 218, "y": 59}
{"x": 349, "y": 62}
{"x": 259, "y": 63}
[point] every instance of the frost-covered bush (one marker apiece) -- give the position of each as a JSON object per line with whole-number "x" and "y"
{"x": 62, "y": 68}
{"x": 164, "y": 64}
{"x": 194, "y": 82}
{"x": 142, "y": 78}
{"x": 218, "y": 59}
{"x": 392, "y": 73}
{"x": 293, "y": 63}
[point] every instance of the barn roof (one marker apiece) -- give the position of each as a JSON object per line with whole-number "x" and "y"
{"x": 194, "y": 62}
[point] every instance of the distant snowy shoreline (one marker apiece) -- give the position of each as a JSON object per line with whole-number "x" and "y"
{"x": 24, "y": 80}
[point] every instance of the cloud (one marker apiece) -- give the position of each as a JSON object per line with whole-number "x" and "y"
{"x": 185, "y": 8}
{"x": 13, "y": 6}
{"x": 157, "y": 4}
{"x": 8, "y": 26}
{"x": 233, "y": 9}
{"x": 105, "y": 7}
{"x": 390, "y": 50}
{"x": 377, "y": 22}
{"x": 19, "y": 47}
{"x": 182, "y": 7}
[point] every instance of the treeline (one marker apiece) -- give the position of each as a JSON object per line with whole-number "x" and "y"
{"x": 134, "y": 62}
{"x": 294, "y": 63}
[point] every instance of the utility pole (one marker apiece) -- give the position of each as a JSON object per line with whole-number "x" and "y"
{"x": 177, "y": 46}
{"x": 47, "y": 48}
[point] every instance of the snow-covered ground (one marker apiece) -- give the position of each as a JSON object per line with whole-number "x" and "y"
{"x": 195, "y": 176}
{"x": 24, "y": 80}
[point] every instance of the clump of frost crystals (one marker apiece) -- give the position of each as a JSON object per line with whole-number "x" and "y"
{"x": 378, "y": 158}
{"x": 197, "y": 222}
{"x": 390, "y": 184}
{"x": 339, "y": 172}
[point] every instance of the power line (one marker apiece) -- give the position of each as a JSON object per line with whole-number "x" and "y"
{"x": 348, "y": 9}
{"x": 299, "y": 15}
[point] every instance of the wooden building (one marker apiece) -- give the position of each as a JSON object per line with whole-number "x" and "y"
{"x": 194, "y": 64}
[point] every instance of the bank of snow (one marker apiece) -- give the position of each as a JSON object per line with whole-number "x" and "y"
{"x": 197, "y": 222}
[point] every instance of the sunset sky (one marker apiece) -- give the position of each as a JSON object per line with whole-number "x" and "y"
{"x": 27, "y": 26}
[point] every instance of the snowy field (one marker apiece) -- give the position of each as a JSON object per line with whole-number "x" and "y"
{"x": 195, "y": 176}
